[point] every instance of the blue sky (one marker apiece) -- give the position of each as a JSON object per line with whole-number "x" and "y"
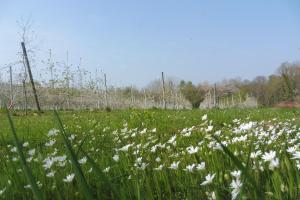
{"x": 133, "y": 41}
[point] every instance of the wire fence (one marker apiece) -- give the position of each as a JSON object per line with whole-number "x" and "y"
{"x": 16, "y": 91}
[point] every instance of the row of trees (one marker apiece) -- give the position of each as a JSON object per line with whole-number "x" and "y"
{"x": 73, "y": 87}
{"x": 283, "y": 85}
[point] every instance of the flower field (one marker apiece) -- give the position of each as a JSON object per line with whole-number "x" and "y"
{"x": 151, "y": 154}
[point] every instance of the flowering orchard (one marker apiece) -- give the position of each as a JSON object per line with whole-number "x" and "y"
{"x": 151, "y": 154}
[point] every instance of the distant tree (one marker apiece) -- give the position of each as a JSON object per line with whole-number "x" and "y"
{"x": 194, "y": 94}
{"x": 286, "y": 72}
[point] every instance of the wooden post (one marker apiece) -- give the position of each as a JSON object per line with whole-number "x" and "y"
{"x": 25, "y": 96}
{"x": 164, "y": 92}
{"x": 11, "y": 87}
{"x": 145, "y": 99}
{"x": 105, "y": 85}
{"x": 31, "y": 78}
{"x": 131, "y": 96}
{"x": 215, "y": 95}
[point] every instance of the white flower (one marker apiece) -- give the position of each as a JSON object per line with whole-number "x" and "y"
{"x": 14, "y": 149}
{"x": 208, "y": 179}
{"x": 204, "y": 117}
{"x": 126, "y": 147}
{"x": 60, "y": 158}
{"x": 189, "y": 168}
{"x": 296, "y": 155}
{"x": 31, "y": 152}
{"x": 246, "y": 126}
{"x": 48, "y": 162}
{"x": 72, "y": 137}
{"x": 50, "y": 143}
{"x": 269, "y": 156}
{"x": 209, "y": 128}
{"x": 69, "y": 178}
{"x": 159, "y": 168}
{"x": 200, "y": 166}
{"x": 236, "y": 174}
{"x": 141, "y": 166}
{"x": 53, "y": 132}
{"x": 106, "y": 169}
{"x": 116, "y": 157}
{"x": 26, "y": 144}
{"x": 82, "y": 160}
{"x": 236, "y": 186}
{"x": 174, "y": 165}
{"x": 192, "y": 150}
{"x": 143, "y": 131}
{"x": 254, "y": 155}
{"x": 292, "y": 150}
{"x": 172, "y": 139}
{"x": 157, "y": 159}
{"x": 212, "y": 196}
{"x": 274, "y": 164}
{"x": 50, "y": 174}
{"x": 39, "y": 184}
{"x": 27, "y": 186}
{"x": 2, "y": 191}
{"x": 139, "y": 160}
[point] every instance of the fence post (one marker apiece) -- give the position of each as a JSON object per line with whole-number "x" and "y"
{"x": 215, "y": 95}
{"x": 31, "y": 78}
{"x": 11, "y": 87}
{"x": 105, "y": 85}
{"x": 25, "y": 96}
{"x": 164, "y": 92}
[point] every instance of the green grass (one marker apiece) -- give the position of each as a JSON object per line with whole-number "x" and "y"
{"x": 99, "y": 136}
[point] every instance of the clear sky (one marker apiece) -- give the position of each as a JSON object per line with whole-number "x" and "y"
{"x": 133, "y": 41}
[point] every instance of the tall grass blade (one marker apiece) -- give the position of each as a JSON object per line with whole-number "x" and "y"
{"x": 77, "y": 169}
{"x": 36, "y": 192}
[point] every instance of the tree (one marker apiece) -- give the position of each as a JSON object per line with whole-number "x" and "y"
{"x": 194, "y": 94}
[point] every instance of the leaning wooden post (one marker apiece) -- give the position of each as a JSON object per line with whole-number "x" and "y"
{"x": 31, "y": 78}
{"x": 164, "y": 92}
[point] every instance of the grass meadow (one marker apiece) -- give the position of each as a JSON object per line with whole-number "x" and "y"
{"x": 151, "y": 154}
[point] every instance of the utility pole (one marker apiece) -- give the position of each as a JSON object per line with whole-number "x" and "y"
{"x": 31, "y": 78}
{"x": 164, "y": 92}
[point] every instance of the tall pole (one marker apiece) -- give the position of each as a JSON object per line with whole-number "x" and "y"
{"x": 145, "y": 99}
{"x": 164, "y": 92}
{"x": 11, "y": 86}
{"x": 25, "y": 96}
{"x": 215, "y": 95}
{"x": 105, "y": 85}
{"x": 30, "y": 76}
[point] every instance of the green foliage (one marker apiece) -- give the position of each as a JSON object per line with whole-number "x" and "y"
{"x": 194, "y": 94}
{"x": 99, "y": 136}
